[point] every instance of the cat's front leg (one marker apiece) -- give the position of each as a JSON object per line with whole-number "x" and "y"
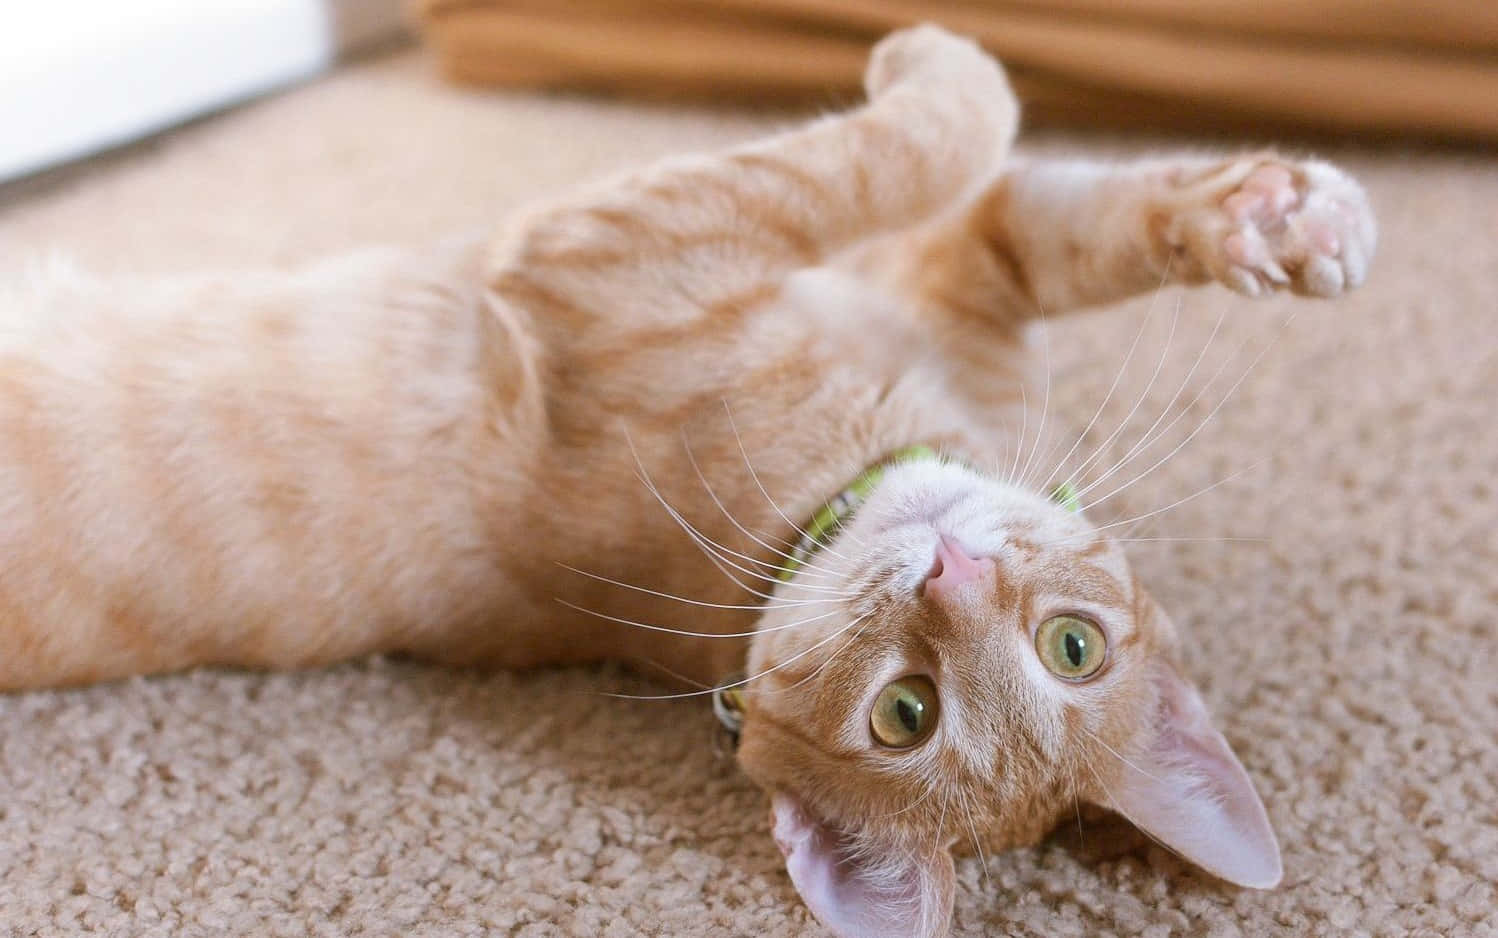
{"x": 1054, "y": 236}
{"x": 1262, "y": 224}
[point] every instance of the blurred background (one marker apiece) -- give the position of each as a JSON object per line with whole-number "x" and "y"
{"x": 85, "y": 75}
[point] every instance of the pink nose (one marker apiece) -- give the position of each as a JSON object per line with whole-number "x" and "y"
{"x": 954, "y": 568}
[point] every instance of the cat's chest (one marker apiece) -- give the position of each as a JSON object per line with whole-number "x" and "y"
{"x": 936, "y": 378}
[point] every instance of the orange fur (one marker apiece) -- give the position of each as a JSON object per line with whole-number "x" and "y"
{"x": 408, "y": 454}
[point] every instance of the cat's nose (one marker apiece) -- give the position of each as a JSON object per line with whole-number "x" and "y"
{"x": 954, "y": 571}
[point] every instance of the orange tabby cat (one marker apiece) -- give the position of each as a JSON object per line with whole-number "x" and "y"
{"x": 424, "y": 454}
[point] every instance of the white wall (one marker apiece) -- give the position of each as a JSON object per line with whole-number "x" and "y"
{"x": 77, "y": 76}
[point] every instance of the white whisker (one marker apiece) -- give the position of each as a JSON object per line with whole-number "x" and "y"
{"x": 1150, "y": 514}
{"x": 805, "y": 564}
{"x": 660, "y": 667}
{"x": 821, "y": 667}
{"x": 973, "y": 829}
{"x": 1189, "y": 437}
{"x": 1196, "y": 540}
{"x": 914, "y": 804}
{"x": 1123, "y": 424}
{"x": 1045, "y": 407}
{"x": 688, "y": 634}
{"x": 1122, "y": 369}
{"x": 1071, "y": 771}
{"x": 760, "y": 485}
{"x": 1097, "y": 739}
{"x": 1024, "y": 426}
{"x": 757, "y": 607}
{"x": 1148, "y": 438}
{"x": 719, "y": 552}
{"x": 1151, "y": 437}
{"x": 724, "y": 553}
{"x": 1113, "y": 803}
{"x": 740, "y": 683}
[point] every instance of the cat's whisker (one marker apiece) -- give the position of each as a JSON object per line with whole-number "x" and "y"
{"x": 946, "y": 801}
{"x": 725, "y": 565}
{"x": 1109, "y": 795}
{"x": 724, "y": 568}
{"x": 717, "y": 552}
{"x": 910, "y": 807}
{"x": 1076, "y": 801}
{"x": 1122, "y": 369}
{"x": 1024, "y": 425}
{"x": 732, "y": 425}
{"x": 1192, "y": 540}
{"x": 817, "y": 572}
{"x": 1102, "y": 786}
{"x": 1123, "y": 424}
{"x": 1181, "y": 501}
{"x": 689, "y": 634}
{"x": 1197, "y": 494}
{"x": 692, "y": 682}
{"x": 1206, "y": 420}
{"x": 977, "y": 842}
{"x": 1152, "y": 436}
{"x": 755, "y": 607}
{"x": 844, "y": 531}
{"x": 1098, "y": 739}
{"x": 744, "y": 681}
{"x": 1045, "y": 407}
{"x": 823, "y": 666}
{"x": 1047, "y": 459}
{"x": 723, "y": 552}
{"x": 1148, "y": 438}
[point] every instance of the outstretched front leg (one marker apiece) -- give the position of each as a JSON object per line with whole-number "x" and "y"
{"x": 1051, "y": 237}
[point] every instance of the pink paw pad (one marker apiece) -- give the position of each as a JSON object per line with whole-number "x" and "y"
{"x": 1265, "y": 196}
{"x": 1322, "y": 238}
{"x": 1302, "y": 225}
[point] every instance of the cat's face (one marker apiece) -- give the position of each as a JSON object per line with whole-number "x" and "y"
{"x": 989, "y": 659}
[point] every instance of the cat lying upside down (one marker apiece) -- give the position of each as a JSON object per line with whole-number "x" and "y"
{"x": 424, "y": 454}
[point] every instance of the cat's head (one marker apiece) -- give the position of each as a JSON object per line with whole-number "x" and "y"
{"x": 991, "y": 659}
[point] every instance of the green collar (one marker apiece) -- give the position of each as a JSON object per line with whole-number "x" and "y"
{"x": 823, "y": 524}
{"x": 1067, "y": 496}
{"x": 831, "y": 515}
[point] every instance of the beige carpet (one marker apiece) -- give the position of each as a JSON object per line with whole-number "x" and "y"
{"x": 1352, "y": 647}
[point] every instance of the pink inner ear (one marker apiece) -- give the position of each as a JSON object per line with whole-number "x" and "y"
{"x": 1188, "y": 790}
{"x": 857, "y": 895}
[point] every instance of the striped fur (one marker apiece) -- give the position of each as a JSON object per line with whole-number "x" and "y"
{"x": 414, "y": 454}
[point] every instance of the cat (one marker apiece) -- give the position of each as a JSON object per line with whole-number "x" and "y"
{"x": 531, "y": 449}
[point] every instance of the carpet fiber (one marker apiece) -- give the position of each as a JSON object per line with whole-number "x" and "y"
{"x": 1348, "y": 633}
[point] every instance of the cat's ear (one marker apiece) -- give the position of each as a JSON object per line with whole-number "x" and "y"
{"x": 860, "y": 896}
{"x": 1187, "y": 789}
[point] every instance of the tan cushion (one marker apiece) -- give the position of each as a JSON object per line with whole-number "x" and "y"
{"x": 1388, "y": 66}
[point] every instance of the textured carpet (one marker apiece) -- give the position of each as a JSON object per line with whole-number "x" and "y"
{"x": 1348, "y": 642}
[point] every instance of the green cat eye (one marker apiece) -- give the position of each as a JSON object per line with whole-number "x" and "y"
{"x": 1071, "y": 647}
{"x": 904, "y": 712}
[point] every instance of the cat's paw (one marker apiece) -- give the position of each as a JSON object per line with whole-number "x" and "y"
{"x": 1273, "y": 224}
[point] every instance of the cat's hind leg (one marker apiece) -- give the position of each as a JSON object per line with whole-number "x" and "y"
{"x": 697, "y": 234}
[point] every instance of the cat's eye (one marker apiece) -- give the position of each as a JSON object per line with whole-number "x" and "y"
{"x": 1071, "y": 647}
{"x": 904, "y": 712}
